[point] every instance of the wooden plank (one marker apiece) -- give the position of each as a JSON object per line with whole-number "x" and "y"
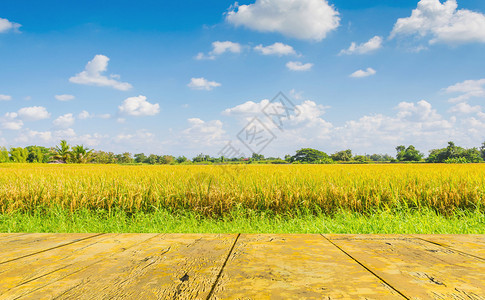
{"x": 29, "y": 244}
{"x": 76, "y": 256}
{"x": 171, "y": 266}
{"x": 295, "y": 266}
{"x": 7, "y": 236}
{"x": 420, "y": 270}
{"x": 472, "y": 244}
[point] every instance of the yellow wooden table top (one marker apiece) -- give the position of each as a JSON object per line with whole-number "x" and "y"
{"x": 241, "y": 266}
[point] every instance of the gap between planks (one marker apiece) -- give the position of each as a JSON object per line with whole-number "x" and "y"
{"x": 52, "y": 248}
{"x": 368, "y": 269}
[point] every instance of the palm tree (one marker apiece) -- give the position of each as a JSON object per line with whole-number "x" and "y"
{"x": 81, "y": 154}
{"x": 62, "y": 152}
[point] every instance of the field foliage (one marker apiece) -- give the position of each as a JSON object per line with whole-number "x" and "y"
{"x": 217, "y": 190}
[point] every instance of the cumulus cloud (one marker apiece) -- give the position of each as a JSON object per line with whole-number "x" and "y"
{"x": 443, "y": 23}
{"x": 92, "y": 75}
{"x": 84, "y": 115}
{"x": 205, "y": 133}
{"x": 417, "y": 123}
{"x": 247, "y": 108}
{"x": 64, "y": 121}
{"x": 298, "y": 66}
{"x": 33, "y": 136}
{"x": 6, "y": 25}
{"x": 88, "y": 139}
{"x": 33, "y": 113}
{"x": 141, "y": 135}
{"x": 202, "y": 84}
{"x": 64, "y": 97}
{"x": 302, "y": 19}
{"x": 363, "y": 73}
{"x": 138, "y": 106}
{"x": 219, "y": 48}
{"x": 371, "y": 45}
{"x": 279, "y": 49}
{"x": 10, "y": 121}
{"x": 467, "y": 89}
{"x": 5, "y": 97}
{"x": 465, "y": 108}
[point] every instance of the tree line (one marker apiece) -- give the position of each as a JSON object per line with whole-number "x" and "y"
{"x": 65, "y": 153}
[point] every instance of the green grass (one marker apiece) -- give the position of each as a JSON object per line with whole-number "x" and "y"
{"x": 399, "y": 222}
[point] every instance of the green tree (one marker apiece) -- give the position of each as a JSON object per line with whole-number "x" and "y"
{"x": 408, "y": 154}
{"x": 152, "y": 159}
{"x": 140, "y": 158}
{"x": 62, "y": 151}
{"x": 257, "y": 157}
{"x": 81, "y": 154}
{"x": 166, "y": 159}
{"x": 4, "y": 155}
{"x": 201, "y": 158}
{"x": 101, "y": 157}
{"x": 472, "y": 155}
{"x": 38, "y": 154}
{"x": 309, "y": 155}
{"x": 181, "y": 159}
{"x": 482, "y": 150}
{"x": 380, "y": 157}
{"x": 361, "y": 158}
{"x": 455, "y": 154}
{"x": 125, "y": 158}
{"x": 19, "y": 154}
{"x": 345, "y": 155}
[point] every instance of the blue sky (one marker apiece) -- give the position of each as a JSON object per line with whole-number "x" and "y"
{"x": 184, "y": 77}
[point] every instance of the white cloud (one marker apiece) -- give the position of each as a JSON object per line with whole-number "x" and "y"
{"x": 205, "y": 133}
{"x": 5, "y": 97}
{"x": 33, "y": 113}
{"x": 10, "y": 121}
{"x": 6, "y": 25}
{"x": 416, "y": 123}
{"x": 92, "y": 75}
{"x": 202, "y": 84}
{"x": 298, "y": 66}
{"x": 104, "y": 116}
{"x": 84, "y": 115}
{"x": 371, "y": 45}
{"x": 275, "y": 49}
{"x": 467, "y": 89}
{"x": 138, "y": 106}
{"x": 302, "y": 19}
{"x": 33, "y": 136}
{"x": 363, "y": 73}
{"x": 141, "y": 136}
{"x": 201, "y": 56}
{"x": 64, "y": 97}
{"x": 465, "y": 108}
{"x": 219, "y": 48}
{"x": 89, "y": 139}
{"x": 247, "y": 108}
{"x": 68, "y": 133}
{"x": 443, "y": 22}
{"x": 64, "y": 121}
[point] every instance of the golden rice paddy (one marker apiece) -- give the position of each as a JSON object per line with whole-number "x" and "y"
{"x": 215, "y": 190}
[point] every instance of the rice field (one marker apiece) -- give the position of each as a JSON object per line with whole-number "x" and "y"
{"x": 215, "y": 191}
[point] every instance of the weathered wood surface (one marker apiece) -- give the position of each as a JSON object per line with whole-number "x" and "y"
{"x": 418, "y": 269}
{"x": 246, "y": 266}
